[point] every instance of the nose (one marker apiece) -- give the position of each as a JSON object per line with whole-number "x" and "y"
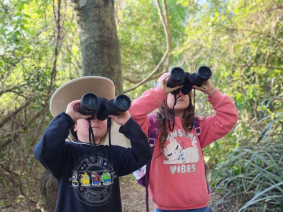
{"x": 94, "y": 119}
{"x": 180, "y": 93}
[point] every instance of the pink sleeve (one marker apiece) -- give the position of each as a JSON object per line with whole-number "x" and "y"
{"x": 217, "y": 126}
{"x": 148, "y": 102}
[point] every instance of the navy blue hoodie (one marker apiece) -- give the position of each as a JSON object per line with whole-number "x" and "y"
{"x": 84, "y": 183}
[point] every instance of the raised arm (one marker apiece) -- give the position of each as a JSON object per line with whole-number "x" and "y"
{"x": 50, "y": 151}
{"x": 149, "y": 101}
{"x": 217, "y": 126}
{"x": 131, "y": 159}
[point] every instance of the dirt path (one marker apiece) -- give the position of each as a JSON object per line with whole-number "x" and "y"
{"x": 133, "y": 195}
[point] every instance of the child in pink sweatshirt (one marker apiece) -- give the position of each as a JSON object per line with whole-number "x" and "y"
{"x": 177, "y": 180}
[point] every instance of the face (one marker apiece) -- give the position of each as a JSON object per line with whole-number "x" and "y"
{"x": 99, "y": 129}
{"x": 172, "y": 151}
{"x": 182, "y": 102}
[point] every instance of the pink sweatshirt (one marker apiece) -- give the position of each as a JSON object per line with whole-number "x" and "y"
{"x": 177, "y": 177}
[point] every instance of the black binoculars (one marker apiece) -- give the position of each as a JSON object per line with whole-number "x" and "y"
{"x": 93, "y": 105}
{"x": 179, "y": 78}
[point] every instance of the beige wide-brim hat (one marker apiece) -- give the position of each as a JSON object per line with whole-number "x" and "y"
{"x": 75, "y": 89}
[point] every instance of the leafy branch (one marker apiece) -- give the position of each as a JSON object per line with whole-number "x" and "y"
{"x": 166, "y": 26}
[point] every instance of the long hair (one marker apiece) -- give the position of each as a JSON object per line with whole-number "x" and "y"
{"x": 164, "y": 115}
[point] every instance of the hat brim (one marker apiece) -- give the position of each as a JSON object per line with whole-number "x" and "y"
{"x": 75, "y": 89}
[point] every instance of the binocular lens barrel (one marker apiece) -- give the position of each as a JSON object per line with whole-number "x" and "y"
{"x": 186, "y": 80}
{"x": 177, "y": 73}
{"x": 203, "y": 74}
{"x": 176, "y": 77}
{"x": 122, "y": 102}
{"x": 89, "y": 104}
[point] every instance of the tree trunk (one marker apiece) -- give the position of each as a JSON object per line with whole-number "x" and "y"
{"x": 48, "y": 190}
{"x": 99, "y": 40}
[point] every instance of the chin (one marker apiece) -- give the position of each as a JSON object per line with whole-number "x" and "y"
{"x": 180, "y": 107}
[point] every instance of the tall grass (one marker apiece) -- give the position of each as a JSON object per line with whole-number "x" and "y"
{"x": 251, "y": 178}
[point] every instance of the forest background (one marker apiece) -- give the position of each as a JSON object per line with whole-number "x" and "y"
{"x": 241, "y": 41}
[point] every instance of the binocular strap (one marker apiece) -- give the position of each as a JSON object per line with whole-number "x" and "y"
{"x": 193, "y": 120}
{"x": 92, "y": 136}
{"x": 173, "y": 113}
{"x": 109, "y": 134}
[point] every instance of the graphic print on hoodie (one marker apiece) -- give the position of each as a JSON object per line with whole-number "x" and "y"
{"x": 177, "y": 151}
{"x": 92, "y": 182}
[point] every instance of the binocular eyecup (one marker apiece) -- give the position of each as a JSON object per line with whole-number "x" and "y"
{"x": 93, "y": 105}
{"x": 89, "y": 105}
{"x": 177, "y": 77}
{"x": 180, "y": 78}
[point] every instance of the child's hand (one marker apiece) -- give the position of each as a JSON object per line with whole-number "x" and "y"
{"x": 73, "y": 111}
{"x": 122, "y": 118}
{"x": 207, "y": 87}
{"x": 163, "y": 84}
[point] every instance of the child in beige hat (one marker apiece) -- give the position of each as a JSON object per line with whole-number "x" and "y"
{"x": 88, "y": 173}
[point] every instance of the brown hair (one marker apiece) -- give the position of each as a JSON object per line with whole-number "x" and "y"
{"x": 164, "y": 115}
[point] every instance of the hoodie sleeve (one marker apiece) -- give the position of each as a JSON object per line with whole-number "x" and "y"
{"x": 217, "y": 126}
{"x": 131, "y": 159}
{"x": 51, "y": 151}
{"x": 148, "y": 102}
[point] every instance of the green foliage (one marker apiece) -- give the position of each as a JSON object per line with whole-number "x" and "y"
{"x": 28, "y": 36}
{"x": 142, "y": 39}
{"x": 251, "y": 177}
